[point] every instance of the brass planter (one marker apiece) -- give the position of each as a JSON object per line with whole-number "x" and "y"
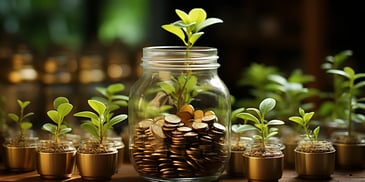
{"x": 235, "y": 166}
{"x": 20, "y": 159}
{"x": 99, "y": 166}
{"x": 314, "y": 165}
{"x": 350, "y": 156}
{"x": 259, "y": 169}
{"x": 58, "y": 165}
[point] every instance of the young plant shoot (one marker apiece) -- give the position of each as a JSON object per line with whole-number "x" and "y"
{"x": 62, "y": 108}
{"x": 102, "y": 118}
{"x": 20, "y": 119}
{"x": 260, "y": 124}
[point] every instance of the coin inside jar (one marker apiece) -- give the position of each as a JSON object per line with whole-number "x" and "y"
{"x": 187, "y": 108}
{"x": 172, "y": 119}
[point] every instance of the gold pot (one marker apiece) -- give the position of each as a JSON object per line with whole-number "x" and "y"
{"x": 314, "y": 165}
{"x": 350, "y": 156}
{"x": 259, "y": 169}
{"x": 19, "y": 159}
{"x": 99, "y": 166}
{"x": 58, "y": 165}
{"x": 235, "y": 165}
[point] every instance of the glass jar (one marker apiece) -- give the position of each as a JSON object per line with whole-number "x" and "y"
{"x": 179, "y": 116}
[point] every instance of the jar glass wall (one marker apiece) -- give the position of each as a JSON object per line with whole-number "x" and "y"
{"x": 179, "y": 116}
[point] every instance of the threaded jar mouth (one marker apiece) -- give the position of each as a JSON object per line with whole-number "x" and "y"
{"x": 179, "y": 58}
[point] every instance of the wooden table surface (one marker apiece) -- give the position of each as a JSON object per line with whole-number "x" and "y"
{"x": 128, "y": 174}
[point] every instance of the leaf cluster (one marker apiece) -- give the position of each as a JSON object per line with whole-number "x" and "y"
{"x": 259, "y": 123}
{"x": 62, "y": 107}
{"x": 350, "y": 88}
{"x": 189, "y": 27}
{"x": 303, "y": 121}
{"x": 182, "y": 89}
{"x": 336, "y": 106}
{"x": 20, "y": 119}
{"x": 103, "y": 118}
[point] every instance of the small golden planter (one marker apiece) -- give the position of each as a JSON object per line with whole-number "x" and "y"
{"x": 259, "y": 169}
{"x": 20, "y": 159}
{"x": 58, "y": 165}
{"x": 314, "y": 165}
{"x": 100, "y": 166}
{"x": 350, "y": 156}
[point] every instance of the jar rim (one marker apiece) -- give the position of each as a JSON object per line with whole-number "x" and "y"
{"x": 180, "y": 58}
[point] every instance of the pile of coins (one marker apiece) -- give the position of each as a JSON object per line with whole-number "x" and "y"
{"x": 188, "y": 144}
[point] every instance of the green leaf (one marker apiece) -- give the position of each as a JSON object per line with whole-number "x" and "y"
{"x": 267, "y": 105}
{"x": 359, "y": 75}
{"x": 338, "y": 72}
{"x": 90, "y": 128}
{"x": 297, "y": 120}
{"x": 27, "y": 115}
{"x": 115, "y": 88}
{"x": 50, "y": 128}
{"x": 23, "y": 104}
{"x": 64, "y": 109}
{"x": 316, "y": 131}
{"x": 175, "y": 30}
{"x": 248, "y": 116}
{"x": 238, "y": 128}
{"x": 65, "y": 130}
{"x": 195, "y": 37}
{"x": 13, "y": 117}
{"x": 59, "y": 100}
{"x": 87, "y": 114}
{"x": 167, "y": 87}
{"x": 275, "y": 122}
{"x": 183, "y": 16}
{"x": 208, "y": 22}
{"x": 197, "y": 15}
{"x": 26, "y": 125}
{"x": 308, "y": 116}
{"x": 54, "y": 116}
{"x": 97, "y": 106}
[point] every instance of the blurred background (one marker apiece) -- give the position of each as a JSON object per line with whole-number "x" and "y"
{"x": 67, "y": 47}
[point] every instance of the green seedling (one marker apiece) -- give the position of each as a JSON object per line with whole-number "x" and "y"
{"x": 184, "y": 88}
{"x": 260, "y": 123}
{"x": 350, "y": 87}
{"x": 189, "y": 27}
{"x": 303, "y": 121}
{"x": 102, "y": 118}
{"x": 21, "y": 119}
{"x": 62, "y": 107}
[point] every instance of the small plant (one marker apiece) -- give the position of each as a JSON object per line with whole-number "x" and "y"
{"x": 335, "y": 108}
{"x": 21, "y": 120}
{"x": 350, "y": 90}
{"x": 303, "y": 121}
{"x": 103, "y": 118}
{"x": 189, "y": 27}
{"x": 62, "y": 108}
{"x": 311, "y": 144}
{"x": 184, "y": 88}
{"x": 260, "y": 123}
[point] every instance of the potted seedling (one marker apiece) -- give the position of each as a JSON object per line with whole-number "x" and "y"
{"x": 314, "y": 158}
{"x": 97, "y": 158}
{"x": 56, "y": 158}
{"x": 20, "y": 151}
{"x": 350, "y": 145}
{"x": 263, "y": 161}
{"x": 179, "y": 110}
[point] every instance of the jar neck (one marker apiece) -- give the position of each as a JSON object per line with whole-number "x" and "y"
{"x": 179, "y": 58}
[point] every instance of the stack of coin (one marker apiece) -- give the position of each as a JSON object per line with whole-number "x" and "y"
{"x": 178, "y": 147}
